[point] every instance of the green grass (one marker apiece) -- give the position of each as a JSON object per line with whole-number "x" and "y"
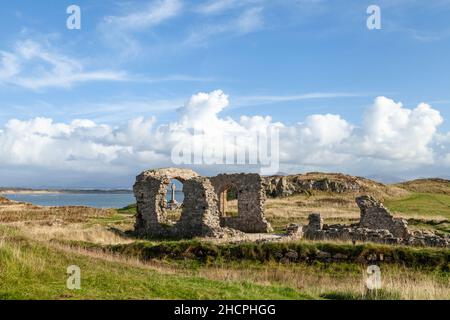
{"x": 368, "y": 295}
{"x": 422, "y": 204}
{"x": 440, "y": 186}
{"x": 30, "y": 270}
{"x": 109, "y": 220}
{"x": 130, "y": 209}
{"x": 442, "y": 226}
{"x": 433, "y": 259}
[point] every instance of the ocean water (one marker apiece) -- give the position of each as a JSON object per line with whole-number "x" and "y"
{"x": 100, "y": 200}
{"x": 68, "y": 199}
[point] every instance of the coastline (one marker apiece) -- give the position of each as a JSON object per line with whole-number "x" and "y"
{"x": 12, "y": 191}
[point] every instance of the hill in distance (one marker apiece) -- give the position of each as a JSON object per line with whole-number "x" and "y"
{"x": 434, "y": 185}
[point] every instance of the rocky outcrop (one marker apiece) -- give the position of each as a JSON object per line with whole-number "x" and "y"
{"x": 283, "y": 186}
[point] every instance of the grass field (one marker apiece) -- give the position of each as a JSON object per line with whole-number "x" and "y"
{"x": 427, "y": 211}
{"x": 35, "y": 270}
{"x": 31, "y": 270}
{"x": 38, "y": 244}
{"x": 427, "y": 205}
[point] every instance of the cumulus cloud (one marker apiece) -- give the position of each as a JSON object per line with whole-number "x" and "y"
{"x": 35, "y": 66}
{"x": 392, "y": 139}
{"x": 394, "y": 132}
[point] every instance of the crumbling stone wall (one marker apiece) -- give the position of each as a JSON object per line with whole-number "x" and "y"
{"x": 376, "y": 225}
{"x": 199, "y": 216}
{"x": 315, "y": 225}
{"x": 251, "y": 197}
{"x": 375, "y": 216}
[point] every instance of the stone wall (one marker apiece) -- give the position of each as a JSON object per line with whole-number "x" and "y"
{"x": 315, "y": 225}
{"x": 376, "y": 225}
{"x": 251, "y": 197}
{"x": 199, "y": 216}
{"x": 375, "y": 216}
{"x": 200, "y": 210}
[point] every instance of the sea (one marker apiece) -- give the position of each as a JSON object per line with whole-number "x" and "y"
{"x": 94, "y": 200}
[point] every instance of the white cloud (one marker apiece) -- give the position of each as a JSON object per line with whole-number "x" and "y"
{"x": 9, "y": 66}
{"x": 118, "y": 30}
{"x": 318, "y": 141}
{"x": 394, "y": 132}
{"x": 35, "y": 66}
{"x": 268, "y": 99}
{"x": 153, "y": 14}
{"x": 394, "y": 140}
{"x": 249, "y": 21}
{"x": 216, "y": 7}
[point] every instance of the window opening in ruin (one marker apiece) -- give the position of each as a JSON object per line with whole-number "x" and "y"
{"x": 174, "y": 199}
{"x": 228, "y": 202}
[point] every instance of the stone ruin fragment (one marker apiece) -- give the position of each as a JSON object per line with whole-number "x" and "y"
{"x": 375, "y": 216}
{"x": 204, "y": 212}
{"x": 201, "y": 214}
{"x": 251, "y": 197}
{"x": 376, "y": 225}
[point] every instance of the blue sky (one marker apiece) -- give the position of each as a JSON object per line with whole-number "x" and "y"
{"x": 288, "y": 59}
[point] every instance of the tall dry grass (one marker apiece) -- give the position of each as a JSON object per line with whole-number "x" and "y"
{"x": 405, "y": 283}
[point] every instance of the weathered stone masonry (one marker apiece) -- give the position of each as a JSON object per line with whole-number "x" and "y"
{"x": 202, "y": 217}
{"x": 199, "y": 216}
{"x": 375, "y": 216}
{"x": 376, "y": 225}
{"x": 251, "y": 197}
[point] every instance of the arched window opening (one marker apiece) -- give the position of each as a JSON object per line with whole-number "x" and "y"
{"x": 228, "y": 202}
{"x": 174, "y": 199}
